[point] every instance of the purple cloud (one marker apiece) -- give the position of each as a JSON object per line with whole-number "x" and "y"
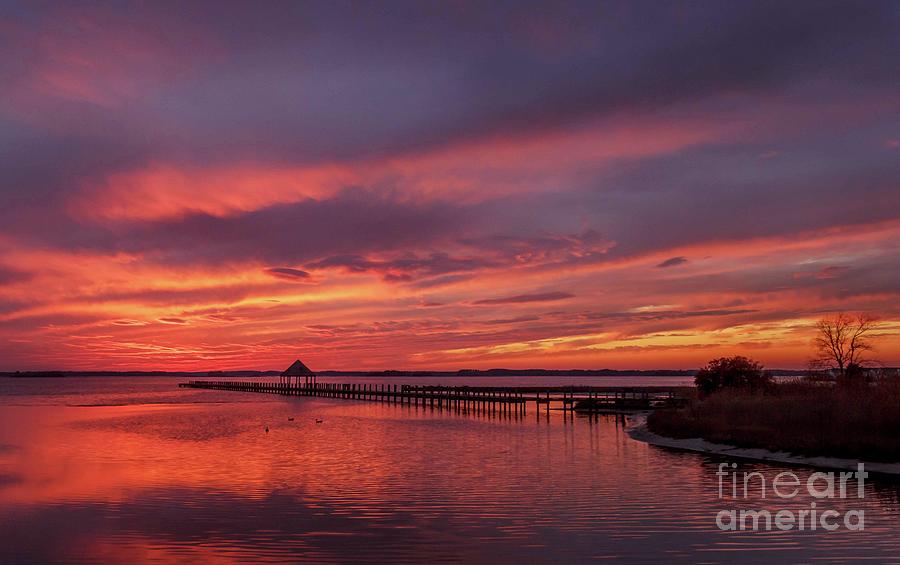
{"x": 526, "y": 298}
{"x": 288, "y": 274}
{"x": 672, "y": 262}
{"x": 404, "y": 268}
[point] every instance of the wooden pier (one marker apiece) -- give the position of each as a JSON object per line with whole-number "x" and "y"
{"x": 511, "y": 400}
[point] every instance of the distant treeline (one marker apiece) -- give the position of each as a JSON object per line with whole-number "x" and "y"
{"x": 137, "y": 373}
{"x": 393, "y": 373}
{"x": 543, "y": 373}
{"x": 516, "y": 373}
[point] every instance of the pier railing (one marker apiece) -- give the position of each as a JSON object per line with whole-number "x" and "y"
{"x": 482, "y": 398}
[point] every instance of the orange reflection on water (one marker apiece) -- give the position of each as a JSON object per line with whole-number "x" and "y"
{"x": 205, "y": 481}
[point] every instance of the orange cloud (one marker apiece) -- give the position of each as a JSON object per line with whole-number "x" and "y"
{"x": 460, "y": 171}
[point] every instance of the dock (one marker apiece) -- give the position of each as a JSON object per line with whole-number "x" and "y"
{"x": 508, "y": 400}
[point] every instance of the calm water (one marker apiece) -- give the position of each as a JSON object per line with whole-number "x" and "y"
{"x": 119, "y": 470}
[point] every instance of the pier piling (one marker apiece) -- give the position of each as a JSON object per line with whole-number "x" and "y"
{"x": 510, "y": 401}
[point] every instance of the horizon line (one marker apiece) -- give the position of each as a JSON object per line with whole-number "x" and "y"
{"x": 412, "y": 371}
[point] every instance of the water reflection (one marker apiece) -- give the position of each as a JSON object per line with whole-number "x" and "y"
{"x": 196, "y": 476}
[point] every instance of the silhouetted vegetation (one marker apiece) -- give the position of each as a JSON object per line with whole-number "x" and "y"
{"x": 799, "y": 416}
{"x": 842, "y": 342}
{"x": 732, "y": 373}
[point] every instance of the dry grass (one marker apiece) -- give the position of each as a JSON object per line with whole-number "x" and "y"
{"x": 799, "y": 417}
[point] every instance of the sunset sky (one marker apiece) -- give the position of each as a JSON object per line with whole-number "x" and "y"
{"x": 370, "y": 185}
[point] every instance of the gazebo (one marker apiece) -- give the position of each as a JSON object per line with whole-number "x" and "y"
{"x": 299, "y": 370}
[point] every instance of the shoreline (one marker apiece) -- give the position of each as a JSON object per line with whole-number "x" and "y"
{"x": 637, "y": 430}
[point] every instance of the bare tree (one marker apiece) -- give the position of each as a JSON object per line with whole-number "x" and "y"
{"x": 843, "y": 341}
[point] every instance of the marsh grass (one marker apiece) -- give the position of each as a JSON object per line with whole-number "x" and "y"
{"x": 804, "y": 418}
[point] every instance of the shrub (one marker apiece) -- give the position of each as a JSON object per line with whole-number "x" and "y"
{"x": 802, "y": 417}
{"x": 732, "y": 373}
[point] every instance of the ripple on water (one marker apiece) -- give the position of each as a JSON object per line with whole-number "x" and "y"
{"x": 373, "y": 482}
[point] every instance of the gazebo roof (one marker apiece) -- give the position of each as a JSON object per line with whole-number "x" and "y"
{"x": 297, "y": 369}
